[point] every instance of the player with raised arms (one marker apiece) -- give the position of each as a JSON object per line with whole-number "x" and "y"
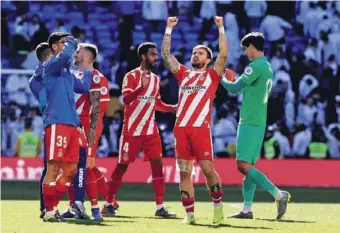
{"x": 256, "y": 83}
{"x": 197, "y": 88}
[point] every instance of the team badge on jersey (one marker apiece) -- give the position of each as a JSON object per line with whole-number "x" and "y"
{"x": 96, "y": 79}
{"x": 103, "y": 90}
{"x": 248, "y": 70}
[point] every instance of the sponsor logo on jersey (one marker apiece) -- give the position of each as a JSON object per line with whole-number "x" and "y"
{"x": 193, "y": 89}
{"x": 248, "y": 70}
{"x": 96, "y": 79}
{"x": 148, "y": 99}
{"x": 103, "y": 90}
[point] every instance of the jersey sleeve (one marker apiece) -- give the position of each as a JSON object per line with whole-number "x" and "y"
{"x": 214, "y": 76}
{"x": 250, "y": 74}
{"x": 129, "y": 83}
{"x": 182, "y": 72}
{"x": 96, "y": 83}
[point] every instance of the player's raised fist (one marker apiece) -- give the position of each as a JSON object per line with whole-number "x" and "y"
{"x": 172, "y": 21}
{"x": 218, "y": 21}
{"x": 145, "y": 78}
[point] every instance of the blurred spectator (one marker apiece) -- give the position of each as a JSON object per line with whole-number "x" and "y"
{"x": 308, "y": 83}
{"x": 307, "y": 112}
{"x": 255, "y": 11}
{"x": 207, "y": 13}
{"x": 302, "y": 139}
{"x": 273, "y": 29}
{"x": 17, "y": 87}
{"x": 224, "y": 133}
{"x": 5, "y": 35}
{"x": 332, "y": 134}
{"x": 60, "y": 26}
{"x": 279, "y": 60}
{"x": 28, "y": 144}
{"x": 34, "y": 25}
{"x": 156, "y": 14}
{"x": 126, "y": 11}
{"x": 21, "y": 34}
{"x": 276, "y": 145}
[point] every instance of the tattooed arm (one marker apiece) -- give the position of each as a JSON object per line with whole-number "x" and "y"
{"x": 169, "y": 59}
{"x": 95, "y": 112}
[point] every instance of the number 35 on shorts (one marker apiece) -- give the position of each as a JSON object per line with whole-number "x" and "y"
{"x": 61, "y": 141}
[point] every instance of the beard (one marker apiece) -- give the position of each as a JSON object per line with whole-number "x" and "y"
{"x": 151, "y": 65}
{"x": 197, "y": 65}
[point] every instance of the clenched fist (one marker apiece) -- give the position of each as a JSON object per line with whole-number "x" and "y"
{"x": 218, "y": 21}
{"x": 172, "y": 21}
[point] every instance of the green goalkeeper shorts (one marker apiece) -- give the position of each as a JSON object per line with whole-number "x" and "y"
{"x": 248, "y": 143}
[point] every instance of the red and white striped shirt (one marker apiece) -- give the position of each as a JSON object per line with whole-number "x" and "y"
{"x": 139, "y": 113}
{"x": 196, "y": 95}
{"x": 83, "y": 103}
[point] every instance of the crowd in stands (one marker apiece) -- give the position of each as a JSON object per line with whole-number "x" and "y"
{"x": 302, "y": 45}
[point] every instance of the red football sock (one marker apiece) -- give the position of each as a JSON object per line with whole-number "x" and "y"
{"x": 188, "y": 204}
{"x": 216, "y": 195}
{"x": 71, "y": 194}
{"x": 116, "y": 180}
{"x": 91, "y": 187}
{"x": 158, "y": 182}
{"x": 60, "y": 191}
{"x": 102, "y": 188}
{"x": 49, "y": 191}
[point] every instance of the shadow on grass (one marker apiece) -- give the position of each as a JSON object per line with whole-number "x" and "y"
{"x": 86, "y": 222}
{"x": 285, "y": 220}
{"x": 143, "y": 217}
{"x": 93, "y": 222}
{"x": 231, "y": 226}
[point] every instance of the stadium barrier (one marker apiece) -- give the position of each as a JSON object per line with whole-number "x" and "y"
{"x": 313, "y": 173}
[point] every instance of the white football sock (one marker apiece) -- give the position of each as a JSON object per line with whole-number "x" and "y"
{"x": 246, "y": 209}
{"x": 278, "y": 195}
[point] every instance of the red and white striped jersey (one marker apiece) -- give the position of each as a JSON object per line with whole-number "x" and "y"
{"x": 139, "y": 115}
{"x": 83, "y": 103}
{"x": 196, "y": 95}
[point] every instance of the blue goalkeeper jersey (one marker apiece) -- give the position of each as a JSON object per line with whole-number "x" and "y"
{"x": 59, "y": 84}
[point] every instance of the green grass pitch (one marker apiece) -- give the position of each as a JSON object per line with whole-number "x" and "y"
{"x": 311, "y": 210}
{"x": 23, "y": 216}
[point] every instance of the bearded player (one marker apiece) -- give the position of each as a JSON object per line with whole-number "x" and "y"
{"x": 256, "y": 81}
{"x": 140, "y": 133}
{"x": 197, "y": 88}
{"x": 91, "y": 108}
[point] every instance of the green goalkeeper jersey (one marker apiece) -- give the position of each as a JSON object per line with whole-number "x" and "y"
{"x": 258, "y": 76}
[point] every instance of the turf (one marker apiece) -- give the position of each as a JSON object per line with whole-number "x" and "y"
{"x": 137, "y": 217}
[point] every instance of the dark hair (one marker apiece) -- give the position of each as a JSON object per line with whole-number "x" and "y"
{"x": 254, "y": 38}
{"x": 91, "y": 48}
{"x": 144, "y": 48}
{"x": 55, "y": 37}
{"x": 41, "y": 52}
{"x": 28, "y": 123}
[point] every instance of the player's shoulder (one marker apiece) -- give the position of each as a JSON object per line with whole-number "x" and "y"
{"x": 133, "y": 73}
{"x": 99, "y": 77}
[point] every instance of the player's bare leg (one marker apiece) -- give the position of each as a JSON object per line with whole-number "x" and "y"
{"x": 281, "y": 197}
{"x": 187, "y": 190}
{"x": 116, "y": 180}
{"x": 215, "y": 189}
{"x": 159, "y": 188}
{"x": 49, "y": 190}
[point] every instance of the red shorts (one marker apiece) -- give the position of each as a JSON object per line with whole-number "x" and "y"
{"x": 130, "y": 146}
{"x": 62, "y": 143}
{"x": 85, "y": 122}
{"x": 193, "y": 143}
